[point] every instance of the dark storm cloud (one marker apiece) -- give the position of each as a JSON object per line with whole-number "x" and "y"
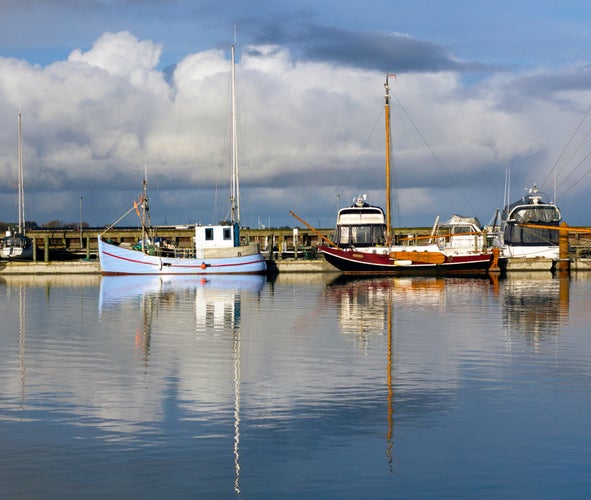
{"x": 373, "y": 51}
{"x": 578, "y": 78}
{"x": 525, "y": 90}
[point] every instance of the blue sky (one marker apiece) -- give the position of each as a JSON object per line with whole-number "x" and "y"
{"x": 110, "y": 88}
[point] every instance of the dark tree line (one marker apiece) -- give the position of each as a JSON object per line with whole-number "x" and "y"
{"x": 52, "y": 224}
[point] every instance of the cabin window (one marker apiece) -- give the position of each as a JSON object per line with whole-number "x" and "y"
{"x": 519, "y": 235}
{"x": 227, "y": 233}
{"x": 209, "y": 234}
{"x": 361, "y": 236}
{"x": 378, "y": 235}
{"x": 344, "y": 235}
{"x": 536, "y": 214}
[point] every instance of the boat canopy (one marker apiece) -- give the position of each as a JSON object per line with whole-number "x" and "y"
{"x": 460, "y": 219}
{"x": 535, "y": 213}
{"x": 532, "y": 207}
{"x": 369, "y": 215}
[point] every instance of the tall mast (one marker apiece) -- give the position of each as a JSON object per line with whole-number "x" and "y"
{"x": 21, "y": 192}
{"x": 388, "y": 188}
{"x": 235, "y": 194}
{"x": 144, "y": 205}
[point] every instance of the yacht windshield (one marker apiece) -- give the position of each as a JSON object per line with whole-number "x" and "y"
{"x": 361, "y": 235}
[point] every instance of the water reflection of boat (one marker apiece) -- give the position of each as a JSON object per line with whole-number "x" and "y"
{"x": 361, "y": 301}
{"x": 217, "y": 306}
{"x": 366, "y": 309}
{"x": 534, "y": 305}
{"x": 116, "y": 290}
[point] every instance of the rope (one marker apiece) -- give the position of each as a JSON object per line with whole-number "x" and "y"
{"x": 110, "y": 226}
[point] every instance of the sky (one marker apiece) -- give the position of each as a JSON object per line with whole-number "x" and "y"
{"x": 111, "y": 91}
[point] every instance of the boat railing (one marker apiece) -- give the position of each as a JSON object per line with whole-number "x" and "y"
{"x": 184, "y": 253}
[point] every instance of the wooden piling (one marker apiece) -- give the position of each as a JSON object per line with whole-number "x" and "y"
{"x": 494, "y": 265}
{"x": 563, "y": 265}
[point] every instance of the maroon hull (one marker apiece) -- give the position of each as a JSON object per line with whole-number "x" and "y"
{"x": 355, "y": 262}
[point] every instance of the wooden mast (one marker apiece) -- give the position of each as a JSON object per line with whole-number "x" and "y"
{"x": 388, "y": 147}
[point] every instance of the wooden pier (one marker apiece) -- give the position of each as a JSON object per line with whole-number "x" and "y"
{"x": 70, "y": 251}
{"x": 65, "y": 244}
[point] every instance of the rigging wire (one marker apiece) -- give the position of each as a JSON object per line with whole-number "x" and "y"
{"x": 341, "y": 188}
{"x": 573, "y": 170}
{"x": 556, "y": 170}
{"x": 435, "y": 155}
{"x": 580, "y": 178}
{"x": 363, "y": 150}
{"x": 567, "y": 146}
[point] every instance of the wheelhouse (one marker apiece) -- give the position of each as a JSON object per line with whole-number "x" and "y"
{"x": 460, "y": 232}
{"x": 218, "y": 236}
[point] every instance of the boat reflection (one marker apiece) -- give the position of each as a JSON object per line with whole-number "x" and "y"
{"x": 118, "y": 290}
{"x": 217, "y": 301}
{"x": 367, "y": 309}
{"x": 533, "y": 306}
{"x": 361, "y": 303}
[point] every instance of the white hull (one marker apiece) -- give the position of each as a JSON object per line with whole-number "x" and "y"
{"x": 530, "y": 252}
{"x": 116, "y": 260}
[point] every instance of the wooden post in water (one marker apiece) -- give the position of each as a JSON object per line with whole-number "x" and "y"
{"x": 46, "y": 249}
{"x": 563, "y": 260}
{"x": 494, "y": 265}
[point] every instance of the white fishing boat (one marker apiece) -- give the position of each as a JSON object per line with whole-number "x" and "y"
{"x": 528, "y": 227}
{"x": 17, "y": 245}
{"x": 217, "y": 249}
{"x": 364, "y": 243}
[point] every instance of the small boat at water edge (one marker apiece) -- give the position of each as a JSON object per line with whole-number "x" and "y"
{"x": 18, "y": 245}
{"x": 364, "y": 243}
{"x": 217, "y": 249}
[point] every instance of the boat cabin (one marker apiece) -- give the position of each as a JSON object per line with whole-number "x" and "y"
{"x": 227, "y": 236}
{"x": 360, "y": 225}
{"x": 460, "y": 232}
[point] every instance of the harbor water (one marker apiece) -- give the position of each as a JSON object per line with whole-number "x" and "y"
{"x": 308, "y": 386}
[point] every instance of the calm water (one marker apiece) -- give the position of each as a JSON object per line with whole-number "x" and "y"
{"x": 186, "y": 388}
